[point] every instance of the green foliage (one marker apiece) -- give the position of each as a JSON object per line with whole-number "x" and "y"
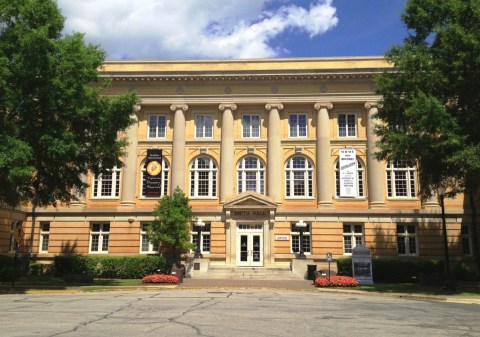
{"x": 6, "y": 268}
{"x": 431, "y": 102}
{"x": 55, "y": 124}
{"x": 109, "y": 266}
{"x": 40, "y": 269}
{"x": 394, "y": 270}
{"x": 171, "y": 227}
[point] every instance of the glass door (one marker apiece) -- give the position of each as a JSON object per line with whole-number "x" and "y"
{"x": 250, "y": 246}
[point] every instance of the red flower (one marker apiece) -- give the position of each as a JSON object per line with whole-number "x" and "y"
{"x": 160, "y": 278}
{"x": 336, "y": 281}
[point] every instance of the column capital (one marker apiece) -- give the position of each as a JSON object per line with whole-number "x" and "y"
{"x": 323, "y": 105}
{"x": 137, "y": 107}
{"x": 373, "y": 105}
{"x": 175, "y": 107}
{"x": 270, "y": 106}
{"x": 228, "y": 106}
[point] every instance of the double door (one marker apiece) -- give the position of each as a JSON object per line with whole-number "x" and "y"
{"x": 250, "y": 246}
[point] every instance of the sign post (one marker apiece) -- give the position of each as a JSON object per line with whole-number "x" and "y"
{"x": 329, "y": 260}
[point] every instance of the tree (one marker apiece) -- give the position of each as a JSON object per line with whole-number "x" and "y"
{"x": 55, "y": 124}
{"x": 171, "y": 225}
{"x": 431, "y": 102}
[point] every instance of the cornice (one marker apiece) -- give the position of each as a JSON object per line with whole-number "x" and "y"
{"x": 259, "y": 99}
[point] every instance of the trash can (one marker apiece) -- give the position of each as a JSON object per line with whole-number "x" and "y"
{"x": 311, "y": 270}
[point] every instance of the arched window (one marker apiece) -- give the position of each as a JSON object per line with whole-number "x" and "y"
{"x": 251, "y": 175}
{"x": 298, "y": 177}
{"x": 203, "y": 177}
{"x": 164, "y": 175}
{"x": 360, "y": 179}
{"x": 107, "y": 185}
{"x": 401, "y": 179}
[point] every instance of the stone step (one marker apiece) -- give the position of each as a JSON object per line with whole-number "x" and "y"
{"x": 247, "y": 273}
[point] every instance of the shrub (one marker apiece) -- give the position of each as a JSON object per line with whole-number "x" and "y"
{"x": 336, "y": 281}
{"x": 40, "y": 269}
{"x": 160, "y": 278}
{"x": 6, "y": 268}
{"x": 109, "y": 266}
{"x": 344, "y": 267}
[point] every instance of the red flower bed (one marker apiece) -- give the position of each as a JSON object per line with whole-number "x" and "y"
{"x": 160, "y": 278}
{"x": 336, "y": 281}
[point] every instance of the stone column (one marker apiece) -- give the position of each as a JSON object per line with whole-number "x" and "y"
{"x": 129, "y": 170}
{"x": 375, "y": 168}
{"x": 178, "y": 151}
{"x": 274, "y": 153}
{"x": 227, "y": 166}
{"x": 431, "y": 202}
{"x": 324, "y": 165}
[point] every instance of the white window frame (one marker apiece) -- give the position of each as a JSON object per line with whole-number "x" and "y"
{"x": 349, "y": 131}
{"x": 360, "y": 179}
{"x": 295, "y": 129}
{"x": 354, "y": 235}
{"x": 396, "y": 183}
{"x": 204, "y": 126}
{"x": 205, "y": 238}
{"x": 103, "y": 235}
{"x": 290, "y": 178}
{"x": 195, "y": 173}
{"x": 44, "y": 237}
{"x": 243, "y": 172}
{"x": 164, "y": 176}
{"x": 103, "y": 179}
{"x": 251, "y": 129}
{"x": 159, "y": 128}
{"x": 145, "y": 242}
{"x": 307, "y": 238}
{"x": 405, "y": 235}
{"x": 466, "y": 237}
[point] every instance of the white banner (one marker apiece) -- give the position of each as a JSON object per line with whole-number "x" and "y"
{"x": 348, "y": 173}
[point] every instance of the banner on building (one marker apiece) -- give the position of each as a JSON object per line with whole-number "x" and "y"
{"x": 153, "y": 174}
{"x": 348, "y": 173}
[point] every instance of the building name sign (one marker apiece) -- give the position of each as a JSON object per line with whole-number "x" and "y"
{"x": 251, "y": 214}
{"x": 282, "y": 238}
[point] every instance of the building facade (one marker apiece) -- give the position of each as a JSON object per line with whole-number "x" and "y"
{"x": 258, "y": 146}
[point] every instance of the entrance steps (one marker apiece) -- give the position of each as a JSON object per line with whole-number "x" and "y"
{"x": 247, "y": 273}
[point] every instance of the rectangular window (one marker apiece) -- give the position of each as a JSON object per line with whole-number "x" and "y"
{"x": 203, "y": 126}
{"x": 99, "y": 237}
{"x": 146, "y": 247}
{"x": 297, "y": 125}
{"x": 295, "y": 237}
{"x": 157, "y": 126}
{"x": 407, "y": 240}
{"x": 107, "y": 185}
{"x": 347, "y": 125}
{"x": 251, "y": 126}
{"x": 352, "y": 237}
{"x": 466, "y": 240}
{"x": 204, "y": 238}
{"x": 44, "y": 237}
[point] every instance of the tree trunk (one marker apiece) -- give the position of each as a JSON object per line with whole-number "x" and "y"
{"x": 475, "y": 248}
{"x": 32, "y": 233}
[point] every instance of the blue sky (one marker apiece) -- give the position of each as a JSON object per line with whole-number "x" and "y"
{"x": 231, "y": 29}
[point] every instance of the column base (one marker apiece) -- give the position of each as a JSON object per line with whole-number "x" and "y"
{"x": 325, "y": 204}
{"x": 431, "y": 205}
{"x": 378, "y": 204}
{"x": 127, "y": 204}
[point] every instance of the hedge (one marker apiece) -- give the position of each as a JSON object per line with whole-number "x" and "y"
{"x": 109, "y": 266}
{"x": 394, "y": 270}
{"x": 6, "y": 268}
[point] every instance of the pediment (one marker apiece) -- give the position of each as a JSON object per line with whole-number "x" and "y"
{"x": 250, "y": 200}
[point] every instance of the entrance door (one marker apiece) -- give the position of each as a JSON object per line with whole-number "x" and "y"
{"x": 250, "y": 246}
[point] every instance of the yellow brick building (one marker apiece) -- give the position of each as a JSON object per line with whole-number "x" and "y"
{"x": 256, "y": 146}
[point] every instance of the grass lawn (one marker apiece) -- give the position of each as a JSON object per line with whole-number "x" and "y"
{"x": 462, "y": 289}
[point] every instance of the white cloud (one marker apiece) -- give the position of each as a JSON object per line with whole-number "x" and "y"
{"x": 166, "y": 29}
